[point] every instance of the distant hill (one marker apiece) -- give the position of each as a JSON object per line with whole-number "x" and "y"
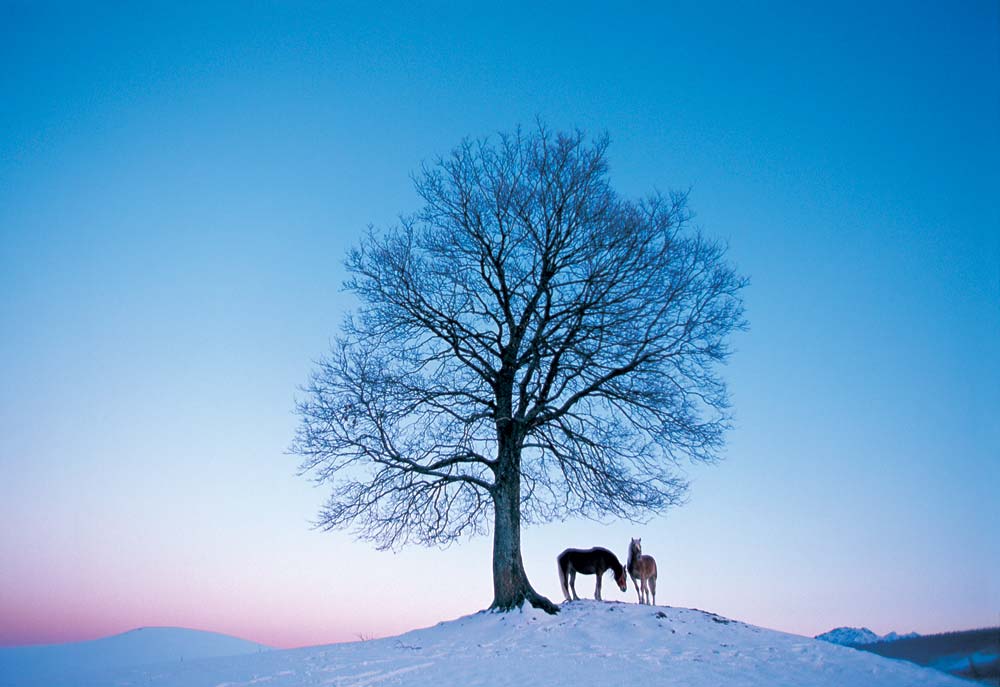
{"x": 971, "y": 654}
{"x": 28, "y": 666}
{"x": 855, "y": 636}
{"x": 587, "y": 643}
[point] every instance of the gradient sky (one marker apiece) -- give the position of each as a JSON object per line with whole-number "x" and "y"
{"x": 178, "y": 189}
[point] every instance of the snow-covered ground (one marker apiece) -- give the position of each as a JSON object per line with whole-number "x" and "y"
{"x": 64, "y": 663}
{"x": 589, "y": 642}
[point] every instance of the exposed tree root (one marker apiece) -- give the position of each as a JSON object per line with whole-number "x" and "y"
{"x": 529, "y": 595}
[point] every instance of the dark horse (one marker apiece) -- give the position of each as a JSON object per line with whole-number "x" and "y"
{"x": 588, "y": 562}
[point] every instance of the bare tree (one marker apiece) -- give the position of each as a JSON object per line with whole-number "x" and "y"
{"x": 528, "y": 346}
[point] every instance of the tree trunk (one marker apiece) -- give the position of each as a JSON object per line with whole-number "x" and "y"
{"x": 510, "y": 583}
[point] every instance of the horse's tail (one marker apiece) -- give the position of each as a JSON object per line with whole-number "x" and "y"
{"x": 652, "y": 583}
{"x": 561, "y": 563}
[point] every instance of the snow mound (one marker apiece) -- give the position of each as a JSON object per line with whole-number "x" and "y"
{"x": 587, "y": 643}
{"x": 853, "y": 636}
{"x": 47, "y": 664}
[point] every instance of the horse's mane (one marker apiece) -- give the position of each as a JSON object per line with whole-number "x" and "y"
{"x": 615, "y": 564}
{"x": 630, "y": 563}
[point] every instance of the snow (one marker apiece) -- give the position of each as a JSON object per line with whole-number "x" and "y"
{"x": 960, "y": 662}
{"x": 846, "y": 636}
{"x": 44, "y": 664}
{"x": 893, "y": 636}
{"x": 588, "y": 642}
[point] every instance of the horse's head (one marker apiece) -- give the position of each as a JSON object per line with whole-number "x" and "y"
{"x": 636, "y": 546}
{"x": 620, "y": 579}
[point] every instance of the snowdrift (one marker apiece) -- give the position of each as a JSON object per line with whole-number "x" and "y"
{"x": 65, "y": 663}
{"x": 589, "y": 642}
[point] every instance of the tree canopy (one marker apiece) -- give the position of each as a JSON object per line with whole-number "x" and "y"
{"x": 527, "y": 346}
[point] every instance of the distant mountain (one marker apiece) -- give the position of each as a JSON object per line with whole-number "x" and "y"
{"x": 848, "y": 636}
{"x": 854, "y": 636}
{"x": 39, "y": 665}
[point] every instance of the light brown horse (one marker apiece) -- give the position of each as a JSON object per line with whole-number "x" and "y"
{"x": 643, "y": 571}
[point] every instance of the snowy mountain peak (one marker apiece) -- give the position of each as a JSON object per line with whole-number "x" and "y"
{"x": 846, "y": 636}
{"x": 853, "y": 636}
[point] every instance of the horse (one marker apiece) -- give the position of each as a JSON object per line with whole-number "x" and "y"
{"x": 588, "y": 562}
{"x": 643, "y": 571}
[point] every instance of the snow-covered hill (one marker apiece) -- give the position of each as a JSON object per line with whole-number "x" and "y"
{"x": 587, "y": 643}
{"x": 64, "y": 663}
{"x": 854, "y": 636}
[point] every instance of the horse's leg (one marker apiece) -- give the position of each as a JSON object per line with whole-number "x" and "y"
{"x": 597, "y": 590}
{"x": 572, "y": 583}
{"x": 645, "y": 591}
{"x": 635, "y": 583}
{"x": 562, "y": 579}
{"x": 652, "y": 587}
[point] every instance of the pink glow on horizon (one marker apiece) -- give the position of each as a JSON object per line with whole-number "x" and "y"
{"x": 101, "y": 596}
{"x": 60, "y": 621}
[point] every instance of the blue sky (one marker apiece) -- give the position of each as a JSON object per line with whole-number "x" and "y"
{"x": 178, "y": 188}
